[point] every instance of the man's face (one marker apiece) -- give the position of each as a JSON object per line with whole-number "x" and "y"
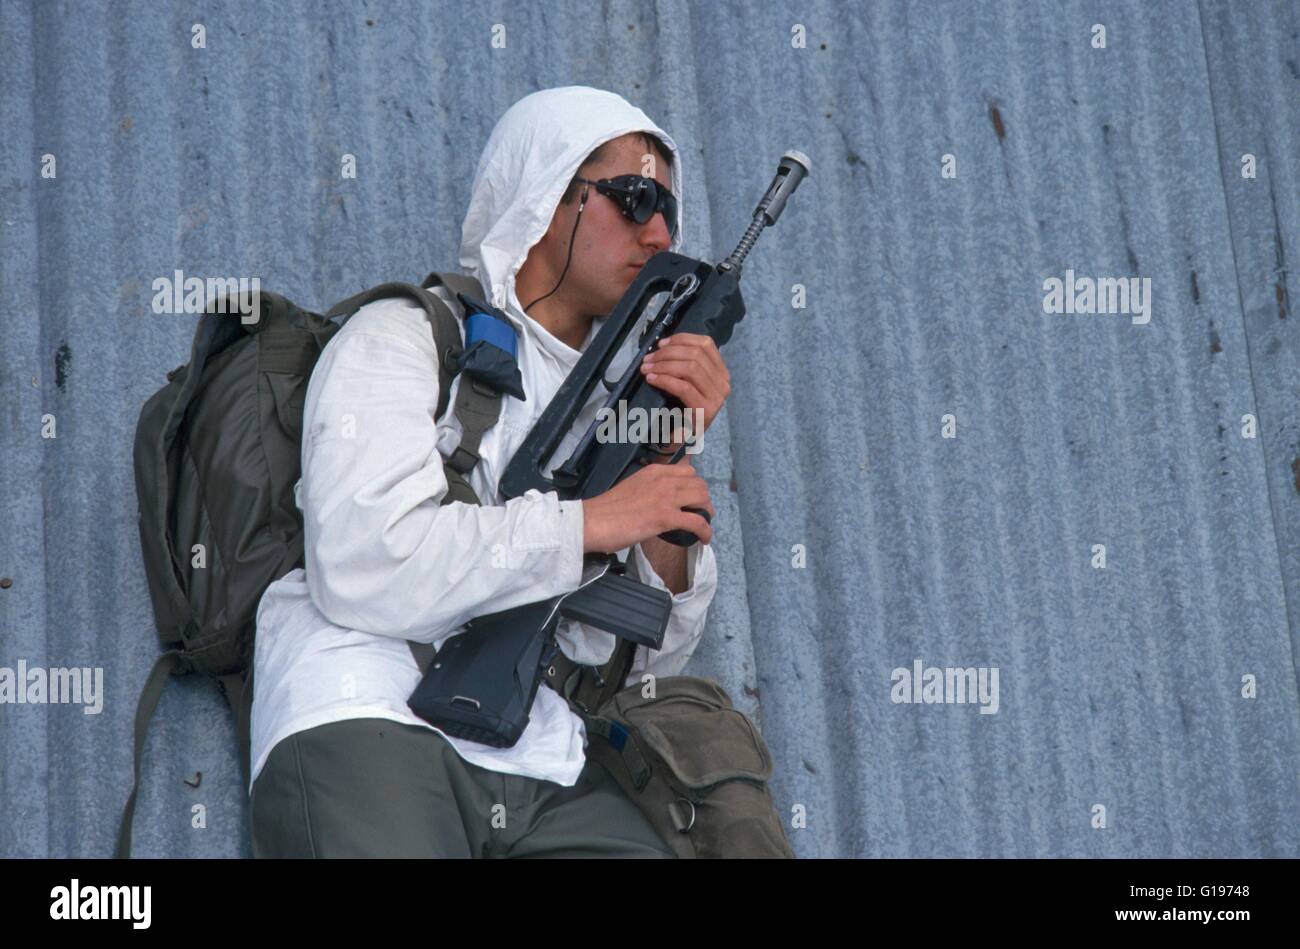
{"x": 609, "y": 249}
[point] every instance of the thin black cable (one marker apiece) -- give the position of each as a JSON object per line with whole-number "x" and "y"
{"x": 570, "y": 256}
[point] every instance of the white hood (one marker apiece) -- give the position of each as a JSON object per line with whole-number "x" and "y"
{"x": 529, "y": 159}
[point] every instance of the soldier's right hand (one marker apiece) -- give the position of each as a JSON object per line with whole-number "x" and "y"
{"x": 644, "y": 505}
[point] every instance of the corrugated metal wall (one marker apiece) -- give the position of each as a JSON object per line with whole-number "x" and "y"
{"x": 853, "y": 537}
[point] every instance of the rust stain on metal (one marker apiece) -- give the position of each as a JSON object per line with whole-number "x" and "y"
{"x": 998, "y": 127}
{"x": 62, "y": 364}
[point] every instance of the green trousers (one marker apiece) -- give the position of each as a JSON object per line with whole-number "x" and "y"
{"x": 370, "y": 787}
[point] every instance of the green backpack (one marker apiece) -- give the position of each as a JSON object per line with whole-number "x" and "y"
{"x": 217, "y": 454}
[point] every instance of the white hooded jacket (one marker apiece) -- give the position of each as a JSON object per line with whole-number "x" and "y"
{"x": 385, "y": 561}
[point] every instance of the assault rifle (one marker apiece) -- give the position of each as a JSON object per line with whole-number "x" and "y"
{"x": 482, "y": 683}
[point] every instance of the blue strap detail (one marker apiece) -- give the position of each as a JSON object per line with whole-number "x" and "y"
{"x": 617, "y": 736}
{"x": 481, "y": 326}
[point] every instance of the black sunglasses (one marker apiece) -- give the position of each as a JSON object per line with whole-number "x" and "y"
{"x": 639, "y": 198}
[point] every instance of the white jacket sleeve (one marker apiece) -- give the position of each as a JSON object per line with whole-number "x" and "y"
{"x": 382, "y": 555}
{"x": 690, "y": 611}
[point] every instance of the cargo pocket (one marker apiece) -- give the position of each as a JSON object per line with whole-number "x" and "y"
{"x": 717, "y": 766}
{"x": 704, "y": 741}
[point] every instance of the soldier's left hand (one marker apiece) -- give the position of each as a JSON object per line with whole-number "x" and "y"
{"x": 689, "y": 366}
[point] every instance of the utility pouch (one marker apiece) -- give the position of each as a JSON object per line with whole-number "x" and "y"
{"x": 695, "y": 765}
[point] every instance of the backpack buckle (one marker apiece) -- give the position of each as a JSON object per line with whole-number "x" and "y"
{"x": 463, "y": 460}
{"x": 451, "y": 359}
{"x": 682, "y": 823}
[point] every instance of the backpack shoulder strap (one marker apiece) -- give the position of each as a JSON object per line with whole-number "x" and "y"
{"x": 237, "y": 687}
{"x": 445, "y": 324}
{"x": 159, "y": 676}
{"x": 456, "y": 283}
{"x": 478, "y": 406}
